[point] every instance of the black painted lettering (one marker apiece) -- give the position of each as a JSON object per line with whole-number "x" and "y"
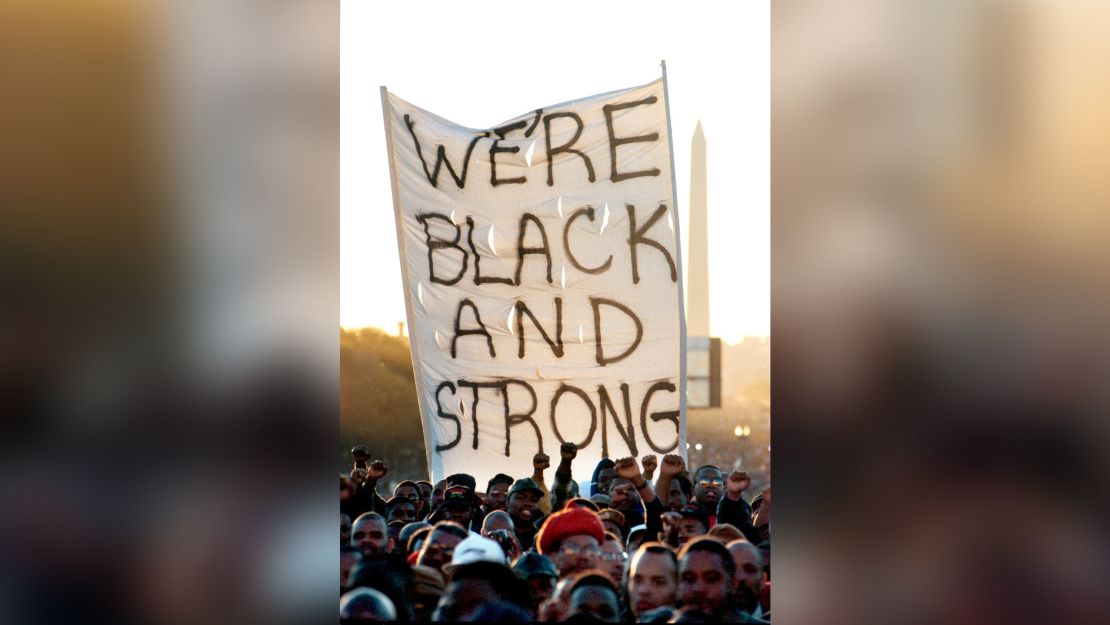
{"x": 448, "y": 416}
{"x": 565, "y": 148}
{"x": 478, "y": 279}
{"x": 589, "y": 213}
{"x": 597, "y": 303}
{"x": 636, "y": 237}
{"x": 615, "y": 141}
{"x": 522, "y": 251}
{"x": 627, "y": 432}
{"x": 460, "y": 331}
{"x": 514, "y": 419}
{"x": 669, "y": 415}
{"x": 555, "y": 345}
{"x": 441, "y": 244}
{"x": 566, "y": 388}
{"x": 441, "y": 157}
{"x": 474, "y": 386}
{"x": 494, "y": 150}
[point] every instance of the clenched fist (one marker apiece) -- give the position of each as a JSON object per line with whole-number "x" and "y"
{"x": 649, "y": 462}
{"x": 737, "y": 481}
{"x": 672, "y": 465}
{"x": 568, "y": 451}
{"x": 377, "y": 470}
{"x": 626, "y": 468}
{"x": 540, "y": 461}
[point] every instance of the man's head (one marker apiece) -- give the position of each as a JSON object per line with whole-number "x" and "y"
{"x": 400, "y": 509}
{"x": 425, "y": 488}
{"x": 440, "y": 545}
{"x": 366, "y": 604}
{"x": 475, "y": 585}
{"x": 572, "y": 539}
{"x": 370, "y": 533}
{"x": 524, "y": 502}
{"x": 652, "y": 578}
{"x": 407, "y": 533}
{"x": 539, "y": 572}
{"x": 605, "y": 478}
{"x": 680, "y": 493}
{"x": 409, "y": 490}
{"x": 613, "y": 556}
{"x": 593, "y": 594}
{"x": 613, "y": 521}
{"x": 455, "y": 506}
{"x": 497, "y": 492}
{"x": 622, "y": 494}
{"x": 344, "y": 529}
{"x": 437, "y": 493}
{"x": 497, "y": 520}
{"x": 695, "y": 522}
{"x": 705, "y": 572}
{"x": 749, "y": 573}
{"x": 708, "y": 485}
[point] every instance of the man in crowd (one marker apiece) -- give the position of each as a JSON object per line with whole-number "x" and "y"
{"x": 709, "y": 483}
{"x": 593, "y": 594}
{"x": 705, "y": 573}
{"x": 475, "y": 586}
{"x": 440, "y": 545}
{"x": 370, "y": 534}
{"x": 497, "y": 493}
{"x": 400, "y": 509}
{"x": 652, "y": 579}
{"x": 732, "y": 508}
{"x": 572, "y": 539}
{"x": 523, "y": 502}
{"x": 456, "y": 506}
{"x": 749, "y": 577}
{"x": 539, "y": 572}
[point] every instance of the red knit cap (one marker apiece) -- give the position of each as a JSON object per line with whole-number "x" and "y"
{"x": 567, "y": 523}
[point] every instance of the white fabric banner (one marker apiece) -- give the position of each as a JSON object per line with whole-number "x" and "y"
{"x": 543, "y": 282}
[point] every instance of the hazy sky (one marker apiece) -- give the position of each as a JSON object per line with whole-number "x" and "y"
{"x": 481, "y": 63}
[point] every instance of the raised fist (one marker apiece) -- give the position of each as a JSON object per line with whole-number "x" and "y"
{"x": 737, "y": 481}
{"x": 540, "y": 461}
{"x": 358, "y": 476}
{"x": 670, "y": 519}
{"x": 377, "y": 470}
{"x": 649, "y": 462}
{"x": 568, "y": 451}
{"x": 626, "y": 468}
{"x": 672, "y": 465}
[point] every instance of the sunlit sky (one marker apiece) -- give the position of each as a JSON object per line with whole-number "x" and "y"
{"x": 481, "y": 63}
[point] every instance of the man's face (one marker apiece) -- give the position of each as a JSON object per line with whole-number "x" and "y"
{"x": 605, "y": 479}
{"x": 577, "y": 553}
{"x": 371, "y": 536}
{"x": 677, "y": 499}
{"x": 707, "y": 488}
{"x": 462, "y": 599}
{"x": 652, "y": 582}
{"x": 621, "y": 492}
{"x": 411, "y": 493}
{"x": 749, "y": 573}
{"x": 703, "y": 582}
{"x": 612, "y": 560}
{"x": 437, "y": 492}
{"x": 595, "y": 601}
{"x": 344, "y": 529}
{"x": 425, "y": 491}
{"x": 459, "y": 513}
{"x": 688, "y": 528}
{"x": 494, "y": 522}
{"x": 403, "y": 511}
{"x": 524, "y": 507}
{"x": 438, "y": 549}
{"x": 497, "y": 498}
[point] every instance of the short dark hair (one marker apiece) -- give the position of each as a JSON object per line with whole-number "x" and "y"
{"x": 708, "y": 466}
{"x": 395, "y": 501}
{"x": 654, "y": 547}
{"x": 451, "y": 528}
{"x": 500, "y": 478}
{"x": 405, "y": 483}
{"x": 709, "y": 545}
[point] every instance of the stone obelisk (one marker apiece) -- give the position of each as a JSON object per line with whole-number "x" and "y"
{"x": 697, "y": 289}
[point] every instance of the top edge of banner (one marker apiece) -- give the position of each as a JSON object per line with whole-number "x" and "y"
{"x": 529, "y": 112}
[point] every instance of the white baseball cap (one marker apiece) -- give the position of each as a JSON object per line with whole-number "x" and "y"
{"x": 475, "y": 549}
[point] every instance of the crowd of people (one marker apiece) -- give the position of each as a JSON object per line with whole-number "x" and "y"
{"x": 650, "y": 542}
